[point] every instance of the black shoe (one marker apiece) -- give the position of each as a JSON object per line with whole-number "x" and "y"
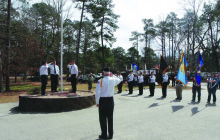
{"x": 177, "y": 98}
{"x": 193, "y": 101}
{"x": 56, "y": 91}
{"x": 208, "y": 102}
{"x": 110, "y": 137}
{"x": 139, "y": 94}
{"x": 129, "y": 93}
{"x": 151, "y": 95}
{"x": 163, "y": 97}
{"x": 102, "y": 137}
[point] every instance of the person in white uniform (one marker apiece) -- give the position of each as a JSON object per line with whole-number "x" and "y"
{"x": 74, "y": 74}
{"x": 105, "y": 102}
{"x": 164, "y": 85}
{"x": 151, "y": 81}
{"x": 130, "y": 82}
{"x": 121, "y": 83}
{"x": 140, "y": 83}
{"x": 54, "y": 73}
{"x": 44, "y": 77}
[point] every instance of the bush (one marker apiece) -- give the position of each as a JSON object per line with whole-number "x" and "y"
{"x": 35, "y": 90}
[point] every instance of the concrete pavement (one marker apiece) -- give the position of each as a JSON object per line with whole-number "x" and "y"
{"x": 135, "y": 118}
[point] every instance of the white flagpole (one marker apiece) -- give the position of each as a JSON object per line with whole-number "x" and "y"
{"x": 61, "y": 51}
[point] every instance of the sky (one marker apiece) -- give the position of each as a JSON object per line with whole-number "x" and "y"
{"x": 133, "y": 11}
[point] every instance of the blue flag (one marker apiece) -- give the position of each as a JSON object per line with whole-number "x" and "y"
{"x": 198, "y": 69}
{"x": 181, "y": 75}
{"x": 135, "y": 67}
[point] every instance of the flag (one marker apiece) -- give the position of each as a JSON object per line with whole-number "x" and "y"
{"x": 163, "y": 65}
{"x": 198, "y": 69}
{"x": 135, "y": 67}
{"x": 159, "y": 72}
{"x": 156, "y": 66}
{"x": 181, "y": 75}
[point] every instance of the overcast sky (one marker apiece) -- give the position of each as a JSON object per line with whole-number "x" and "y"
{"x": 133, "y": 11}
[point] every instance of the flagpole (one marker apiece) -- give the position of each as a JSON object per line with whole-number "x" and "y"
{"x": 61, "y": 51}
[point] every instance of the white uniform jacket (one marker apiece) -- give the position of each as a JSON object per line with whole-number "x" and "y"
{"x": 106, "y": 87}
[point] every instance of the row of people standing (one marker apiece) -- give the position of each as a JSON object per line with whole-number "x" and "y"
{"x": 54, "y": 75}
{"x": 151, "y": 81}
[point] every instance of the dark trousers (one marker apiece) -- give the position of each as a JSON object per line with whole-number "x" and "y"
{"x": 173, "y": 82}
{"x": 43, "y": 83}
{"x": 140, "y": 85}
{"x": 106, "y": 108}
{"x": 196, "y": 89}
{"x": 152, "y": 87}
{"x": 218, "y": 85}
{"x": 89, "y": 85}
{"x": 212, "y": 92}
{"x": 130, "y": 86}
{"x": 73, "y": 82}
{"x": 120, "y": 87}
{"x": 54, "y": 82}
{"x": 164, "y": 89}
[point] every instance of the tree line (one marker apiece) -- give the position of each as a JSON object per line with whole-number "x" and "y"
{"x": 32, "y": 33}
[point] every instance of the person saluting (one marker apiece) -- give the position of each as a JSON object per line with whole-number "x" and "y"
{"x": 105, "y": 102}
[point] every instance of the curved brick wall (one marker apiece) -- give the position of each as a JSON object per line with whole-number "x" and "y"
{"x": 30, "y": 103}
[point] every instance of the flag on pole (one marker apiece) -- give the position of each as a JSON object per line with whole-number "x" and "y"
{"x": 156, "y": 66}
{"x": 181, "y": 75}
{"x": 163, "y": 64}
{"x": 163, "y": 67}
{"x": 198, "y": 69}
{"x": 135, "y": 67}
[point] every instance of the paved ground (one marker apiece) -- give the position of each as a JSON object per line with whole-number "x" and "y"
{"x": 135, "y": 118}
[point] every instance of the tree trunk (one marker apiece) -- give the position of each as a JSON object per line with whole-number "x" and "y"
{"x": 7, "y": 84}
{"x": 1, "y": 73}
{"x": 79, "y": 35}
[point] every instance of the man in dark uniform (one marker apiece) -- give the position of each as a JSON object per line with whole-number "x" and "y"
{"x": 212, "y": 86}
{"x": 105, "y": 101}
{"x": 173, "y": 79}
{"x": 195, "y": 89}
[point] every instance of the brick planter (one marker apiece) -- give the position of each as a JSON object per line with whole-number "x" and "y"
{"x": 55, "y": 103}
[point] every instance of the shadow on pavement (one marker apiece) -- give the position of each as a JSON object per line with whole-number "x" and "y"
{"x": 176, "y": 108}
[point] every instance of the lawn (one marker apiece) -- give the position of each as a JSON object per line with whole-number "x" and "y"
{"x": 21, "y": 87}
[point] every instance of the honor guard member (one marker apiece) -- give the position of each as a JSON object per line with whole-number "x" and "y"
{"x": 90, "y": 81}
{"x": 152, "y": 80}
{"x": 104, "y": 100}
{"x": 130, "y": 82}
{"x": 140, "y": 83}
{"x": 179, "y": 89}
{"x": 121, "y": 83}
{"x": 54, "y": 73}
{"x": 74, "y": 74}
{"x": 44, "y": 76}
{"x": 195, "y": 89}
{"x": 164, "y": 85}
{"x": 212, "y": 86}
